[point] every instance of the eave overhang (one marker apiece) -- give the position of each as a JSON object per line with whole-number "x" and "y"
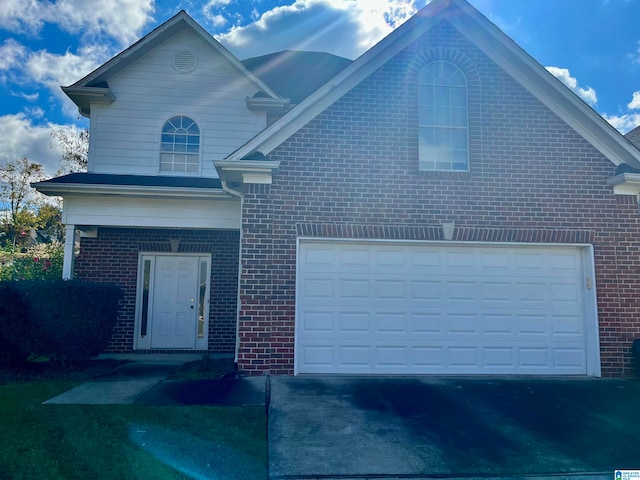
{"x": 270, "y": 105}
{"x": 61, "y": 190}
{"x": 247, "y": 171}
{"x": 83, "y": 97}
{"x": 626, "y": 184}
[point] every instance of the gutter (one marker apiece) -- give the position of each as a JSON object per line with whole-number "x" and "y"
{"x": 237, "y": 193}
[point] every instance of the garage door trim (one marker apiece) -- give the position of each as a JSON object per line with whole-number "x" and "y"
{"x": 591, "y": 330}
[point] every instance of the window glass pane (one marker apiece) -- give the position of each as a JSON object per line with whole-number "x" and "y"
{"x": 442, "y": 96}
{"x": 425, "y": 95}
{"x": 459, "y": 139}
{"x": 458, "y": 96}
{"x": 457, "y": 78}
{"x": 427, "y": 137}
{"x": 201, "y": 298}
{"x": 146, "y": 281}
{"x": 459, "y": 157}
{"x": 458, "y": 117}
{"x": 442, "y": 138}
{"x": 442, "y": 117}
{"x": 180, "y": 135}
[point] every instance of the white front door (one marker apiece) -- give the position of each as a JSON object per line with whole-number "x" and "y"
{"x": 175, "y": 307}
{"x": 172, "y": 302}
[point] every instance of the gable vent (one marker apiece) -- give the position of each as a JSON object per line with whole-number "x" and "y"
{"x": 184, "y": 62}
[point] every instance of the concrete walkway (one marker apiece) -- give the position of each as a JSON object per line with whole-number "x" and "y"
{"x": 144, "y": 382}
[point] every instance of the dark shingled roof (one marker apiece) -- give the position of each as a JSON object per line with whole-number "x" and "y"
{"x": 634, "y": 136}
{"x": 135, "y": 180}
{"x": 296, "y": 75}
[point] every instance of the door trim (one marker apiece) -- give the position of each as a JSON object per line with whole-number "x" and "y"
{"x": 142, "y": 340}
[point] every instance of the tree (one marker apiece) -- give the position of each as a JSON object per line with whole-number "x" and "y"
{"x": 74, "y": 144}
{"x": 18, "y": 199}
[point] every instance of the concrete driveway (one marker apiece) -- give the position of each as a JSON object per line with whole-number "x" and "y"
{"x": 432, "y": 427}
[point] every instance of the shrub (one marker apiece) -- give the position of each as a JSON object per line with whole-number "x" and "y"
{"x": 14, "y": 324}
{"x": 66, "y": 321}
{"x": 40, "y": 262}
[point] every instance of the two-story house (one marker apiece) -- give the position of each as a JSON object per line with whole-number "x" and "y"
{"x": 441, "y": 205}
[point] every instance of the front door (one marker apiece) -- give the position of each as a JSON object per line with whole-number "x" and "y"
{"x": 172, "y": 300}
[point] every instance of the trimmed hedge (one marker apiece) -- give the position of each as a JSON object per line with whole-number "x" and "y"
{"x": 65, "y": 321}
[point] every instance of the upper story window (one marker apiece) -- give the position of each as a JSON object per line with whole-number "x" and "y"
{"x": 180, "y": 146}
{"x": 443, "y": 118}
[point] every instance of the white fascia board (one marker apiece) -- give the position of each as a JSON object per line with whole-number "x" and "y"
{"x": 239, "y": 170}
{"x": 625, "y": 184}
{"x": 83, "y": 97}
{"x": 544, "y": 86}
{"x": 60, "y": 190}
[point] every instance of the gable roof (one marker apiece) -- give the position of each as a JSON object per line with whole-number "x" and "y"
{"x": 634, "y": 136}
{"x": 295, "y": 74}
{"x": 94, "y": 86}
{"x": 493, "y": 42}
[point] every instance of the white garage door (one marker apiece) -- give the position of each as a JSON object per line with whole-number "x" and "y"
{"x": 410, "y": 308}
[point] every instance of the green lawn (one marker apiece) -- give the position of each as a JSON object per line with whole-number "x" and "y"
{"x": 123, "y": 441}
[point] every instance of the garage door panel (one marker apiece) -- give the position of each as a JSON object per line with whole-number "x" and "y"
{"x": 355, "y": 358}
{"x": 416, "y": 308}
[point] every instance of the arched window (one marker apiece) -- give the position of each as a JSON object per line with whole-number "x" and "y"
{"x": 443, "y": 117}
{"x": 180, "y": 146}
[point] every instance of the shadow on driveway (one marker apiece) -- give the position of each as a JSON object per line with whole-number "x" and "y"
{"x": 471, "y": 427}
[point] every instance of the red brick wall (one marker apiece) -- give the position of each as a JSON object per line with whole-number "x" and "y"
{"x": 113, "y": 257}
{"x": 353, "y": 171}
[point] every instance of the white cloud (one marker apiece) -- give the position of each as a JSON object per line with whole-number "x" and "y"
{"x": 121, "y": 20}
{"x": 342, "y": 27}
{"x": 29, "y": 97}
{"x": 23, "y": 16}
{"x": 43, "y": 69}
{"x": 634, "y": 104}
{"x": 588, "y": 94}
{"x": 21, "y": 138}
{"x": 217, "y": 20}
{"x": 12, "y": 54}
{"x": 624, "y": 123}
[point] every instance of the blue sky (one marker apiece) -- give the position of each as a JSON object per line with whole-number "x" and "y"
{"x": 591, "y": 45}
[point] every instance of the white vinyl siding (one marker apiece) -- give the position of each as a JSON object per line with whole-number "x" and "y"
{"x": 125, "y": 134}
{"x": 413, "y": 308}
{"x": 124, "y": 211}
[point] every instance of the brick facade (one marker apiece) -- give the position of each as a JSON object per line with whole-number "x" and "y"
{"x": 113, "y": 257}
{"x": 353, "y": 172}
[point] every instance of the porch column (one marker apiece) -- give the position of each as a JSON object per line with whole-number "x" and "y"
{"x": 69, "y": 251}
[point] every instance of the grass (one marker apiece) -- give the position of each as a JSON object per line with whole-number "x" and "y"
{"x": 121, "y": 441}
